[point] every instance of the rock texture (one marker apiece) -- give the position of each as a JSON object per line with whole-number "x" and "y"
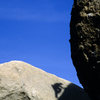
{"x": 85, "y": 44}
{"x": 21, "y": 81}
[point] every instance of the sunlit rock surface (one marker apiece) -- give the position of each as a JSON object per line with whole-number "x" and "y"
{"x": 22, "y": 81}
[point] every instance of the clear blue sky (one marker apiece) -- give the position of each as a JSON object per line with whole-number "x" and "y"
{"x": 37, "y": 32}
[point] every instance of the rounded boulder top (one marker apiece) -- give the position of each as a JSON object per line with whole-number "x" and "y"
{"x": 22, "y": 81}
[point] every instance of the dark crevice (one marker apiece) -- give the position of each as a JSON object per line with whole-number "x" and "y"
{"x": 70, "y": 92}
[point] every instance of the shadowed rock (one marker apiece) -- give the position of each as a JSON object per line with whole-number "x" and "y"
{"x": 85, "y": 44}
{"x": 21, "y": 81}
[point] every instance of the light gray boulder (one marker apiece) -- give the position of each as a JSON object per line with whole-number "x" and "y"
{"x": 22, "y": 81}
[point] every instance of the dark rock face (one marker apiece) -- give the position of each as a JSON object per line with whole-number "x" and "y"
{"x": 85, "y": 44}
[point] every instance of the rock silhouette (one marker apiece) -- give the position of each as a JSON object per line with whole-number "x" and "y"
{"x": 22, "y": 81}
{"x": 85, "y": 44}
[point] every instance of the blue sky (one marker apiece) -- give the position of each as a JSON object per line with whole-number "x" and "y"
{"x": 37, "y": 32}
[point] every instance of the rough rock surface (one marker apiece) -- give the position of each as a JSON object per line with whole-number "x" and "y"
{"x": 85, "y": 44}
{"x": 21, "y": 81}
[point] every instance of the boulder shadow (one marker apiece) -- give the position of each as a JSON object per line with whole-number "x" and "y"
{"x": 70, "y": 92}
